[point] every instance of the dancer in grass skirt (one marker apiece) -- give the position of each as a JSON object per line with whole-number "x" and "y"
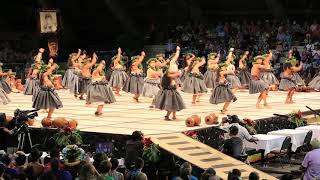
{"x": 151, "y": 85}
{"x": 288, "y": 83}
{"x": 3, "y": 80}
{"x": 168, "y": 98}
{"x": 70, "y": 80}
{"x": 295, "y": 76}
{"x": 210, "y": 77}
{"x": 256, "y": 84}
{"x": 315, "y": 82}
{"x": 184, "y": 71}
{"x": 4, "y": 99}
{"x": 231, "y": 76}
{"x": 222, "y": 92}
{"x": 194, "y": 82}
{"x": 99, "y": 92}
{"x": 244, "y": 74}
{"x": 134, "y": 84}
{"x": 47, "y": 97}
{"x": 85, "y": 76}
{"x": 119, "y": 76}
{"x": 267, "y": 75}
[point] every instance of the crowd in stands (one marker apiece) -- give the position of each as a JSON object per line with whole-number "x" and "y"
{"x": 14, "y": 52}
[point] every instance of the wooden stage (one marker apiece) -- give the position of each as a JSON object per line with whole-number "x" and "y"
{"x": 125, "y": 116}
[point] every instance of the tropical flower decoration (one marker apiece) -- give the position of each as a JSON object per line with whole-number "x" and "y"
{"x": 62, "y": 138}
{"x": 72, "y": 155}
{"x": 296, "y": 118}
{"x": 151, "y": 151}
{"x": 192, "y": 134}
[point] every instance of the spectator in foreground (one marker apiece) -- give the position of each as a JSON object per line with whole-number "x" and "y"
{"x": 138, "y": 165}
{"x": 35, "y": 168}
{"x": 88, "y": 172}
{"x": 20, "y": 162}
{"x": 134, "y": 149}
{"x": 60, "y": 174}
{"x": 97, "y": 159}
{"x": 311, "y": 163}
{"x": 235, "y": 174}
{"x": 253, "y": 176}
{"x": 2, "y": 169}
{"x": 114, "y": 173}
{"x": 185, "y": 172}
{"x": 105, "y": 169}
{"x": 209, "y": 174}
{"x": 6, "y": 160}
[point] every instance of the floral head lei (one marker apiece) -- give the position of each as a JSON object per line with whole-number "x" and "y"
{"x": 212, "y": 55}
{"x": 258, "y": 57}
{"x": 120, "y": 61}
{"x": 293, "y": 61}
{"x": 134, "y": 59}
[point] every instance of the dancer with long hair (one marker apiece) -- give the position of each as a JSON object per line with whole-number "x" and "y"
{"x": 267, "y": 74}
{"x": 210, "y": 77}
{"x": 3, "y": 80}
{"x": 231, "y": 76}
{"x": 151, "y": 85}
{"x": 244, "y": 74}
{"x": 99, "y": 92}
{"x": 69, "y": 79}
{"x": 134, "y": 84}
{"x": 222, "y": 92}
{"x": 119, "y": 76}
{"x": 85, "y": 76}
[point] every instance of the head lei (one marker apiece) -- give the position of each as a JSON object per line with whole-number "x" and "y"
{"x": 258, "y": 57}
{"x": 221, "y": 65}
{"x": 160, "y": 55}
{"x": 292, "y": 61}
{"x": 120, "y": 61}
{"x": 212, "y": 55}
{"x": 151, "y": 59}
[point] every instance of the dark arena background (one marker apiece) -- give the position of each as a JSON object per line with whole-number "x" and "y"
{"x": 273, "y": 139}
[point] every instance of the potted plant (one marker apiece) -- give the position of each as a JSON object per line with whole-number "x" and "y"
{"x": 296, "y": 118}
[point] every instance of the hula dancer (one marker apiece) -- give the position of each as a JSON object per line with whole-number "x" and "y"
{"x": 267, "y": 74}
{"x": 99, "y": 92}
{"x": 288, "y": 83}
{"x": 184, "y": 72}
{"x": 168, "y": 98}
{"x": 151, "y": 85}
{"x": 222, "y": 92}
{"x": 47, "y": 97}
{"x": 231, "y": 76}
{"x": 85, "y": 76}
{"x": 3, "y": 80}
{"x": 210, "y": 77}
{"x": 194, "y": 82}
{"x": 257, "y": 85}
{"x": 244, "y": 74}
{"x": 134, "y": 84}
{"x": 119, "y": 76}
{"x": 69, "y": 78}
{"x": 315, "y": 82}
{"x": 294, "y": 62}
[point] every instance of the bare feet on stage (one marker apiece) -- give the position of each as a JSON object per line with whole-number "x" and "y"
{"x": 267, "y": 106}
{"x": 117, "y": 94}
{"x": 289, "y": 102}
{"x": 224, "y": 111}
{"x": 167, "y": 118}
{"x": 98, "y": 113}
{"x": 136, "y": 100}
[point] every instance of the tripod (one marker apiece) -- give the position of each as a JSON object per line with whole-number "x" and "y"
{"x": 21, "y": 138}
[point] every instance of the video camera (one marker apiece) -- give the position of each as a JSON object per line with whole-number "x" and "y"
{"x": 20, "y": 118}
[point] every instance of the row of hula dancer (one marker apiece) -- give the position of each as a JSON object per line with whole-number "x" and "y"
{"x": 163, "y": 78}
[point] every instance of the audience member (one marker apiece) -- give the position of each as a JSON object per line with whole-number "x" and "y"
{"x": 185, "y": 172}
{"x": 253, "y": 176}
{"x": 60, "y": 174}
{"x": 138, "y": 165}
{"x": 105, "y": 170}
{"x": 114, "y": 173}
{"x": 311, "y": 162}
{"x": 34, "y": 168}
{"x": 88, "y": 172}
{"x": 235, "y": 174}
{"x": 134, "y": 149}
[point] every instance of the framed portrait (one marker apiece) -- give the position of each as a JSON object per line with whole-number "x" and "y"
{"x": 48, "y": 21}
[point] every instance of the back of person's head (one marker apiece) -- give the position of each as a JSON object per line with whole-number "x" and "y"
{"x": 139, "y": 163}
{"x": 86, "y": 171}
{"x": 105, "y": 166}
{"x": 253, "y": 176}
{"x": 55, "y": 153}
{"x": 55, "y": 162}
{"x": 22, "y": 176}
{"x": 141, "y": 176}
{"x": 6, "y": 159}
{"x": 236, "y": 172}
{"x": 136, "y": 136}
{"x": 208, "y": 174}
{"x": 2, "y": 169}
{"x": 98, "y": 158}
{"x": 35, "y": 154}
{"x": 21, "y": 160}
{"x": 315, "y": 144}
{"x": 286, "y": 177}
{"x": 185, "y": 170}
{"x": 115, "y": 163}
{"x": 48, "y": 176}
{"x": 233, "y": 130}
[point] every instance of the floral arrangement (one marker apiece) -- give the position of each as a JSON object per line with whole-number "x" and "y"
{"x": 62, "y": 138}
{"x": 296, "y": 118}
{"x": 192, "y": 134}
{"x": 151, "y": 151}
{"x": 72, "y": 155}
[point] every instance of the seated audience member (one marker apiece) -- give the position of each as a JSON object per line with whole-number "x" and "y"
{"x": 233, "y": 146}
{"x": 114, "y": 173}
{"x": 20, "y": 162}
{"x": 134, "y": 149}
{"x": 6, "y": 160}
{"x": 2, "y": 170}
{"x": 54, "y": 153}
{"x": 253, "y": 176}
{"x": 138, "y": 165}
{"x": 97, "y": 159}
{"x": 88, "y": 172}
{"x": 105, "y": 169}
{"x": 141, "y": 176}
{"x": 209, "y": 174}
{"x": 235, "y": 174}
{"x": 34, "y": 168}
{"x": 185, "y": 172}
{"x": 311, "y": 162}
{"x": 60, "y": 174}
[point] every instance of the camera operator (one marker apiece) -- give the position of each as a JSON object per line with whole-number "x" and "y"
{"x": 243, "y": 133}
{"x": 6, "y": 129}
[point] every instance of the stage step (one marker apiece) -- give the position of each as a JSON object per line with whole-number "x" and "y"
{"x": 204, "y": 156}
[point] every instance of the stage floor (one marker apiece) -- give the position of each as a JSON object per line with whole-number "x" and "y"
{"x": 125, "y": 116}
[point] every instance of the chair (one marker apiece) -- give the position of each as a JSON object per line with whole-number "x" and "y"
{"x": 306, "y": 142}
{"x": 283, "y": 153}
